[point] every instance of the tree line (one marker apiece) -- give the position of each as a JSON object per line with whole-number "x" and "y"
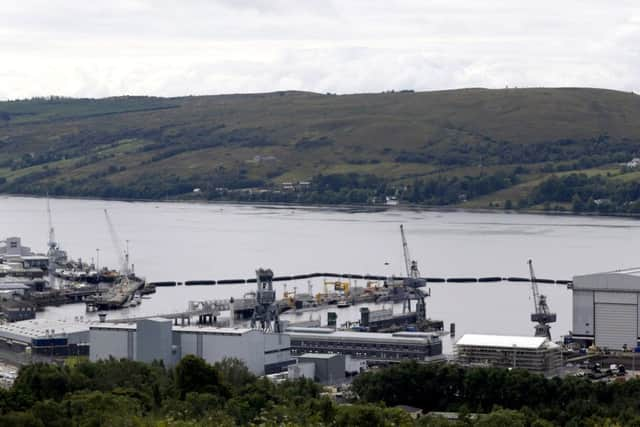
{"x": 584, "y": 193}
{"x": 513, "y": 397}
{"x": 195, "y": 393}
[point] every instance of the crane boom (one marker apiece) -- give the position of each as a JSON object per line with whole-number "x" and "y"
{"x": 405, "y": 249}
{"x": 541, "y": 313}
{"x": 534, "y": 288}
{"x": 52, "y": 236}
{"x": 413, "y": 281}
{"x": 123, "y": 256}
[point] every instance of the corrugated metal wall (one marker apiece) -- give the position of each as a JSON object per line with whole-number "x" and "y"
{"x": 583, "y": 312}
{"x": 616, "y": 325}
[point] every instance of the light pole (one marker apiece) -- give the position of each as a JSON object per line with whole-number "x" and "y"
{"x": 97, "y": 259}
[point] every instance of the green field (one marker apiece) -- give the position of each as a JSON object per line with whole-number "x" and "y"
{"x": 148, "y": 147}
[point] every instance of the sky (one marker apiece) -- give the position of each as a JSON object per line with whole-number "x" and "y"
{"x": 84, "y": 48}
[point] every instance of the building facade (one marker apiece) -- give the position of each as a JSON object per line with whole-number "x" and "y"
{"x": 328, "y": 368}
{"x": 46, "y": 338}
{"x": 371, "y": 346}
{"x": 158, "y": 339}
{"x": 535, "y": 354}
{"x": 605, "y": 309}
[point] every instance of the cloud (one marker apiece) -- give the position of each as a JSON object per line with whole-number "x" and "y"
{"x": 171, "y": 47}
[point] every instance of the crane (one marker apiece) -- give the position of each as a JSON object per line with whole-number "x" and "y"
{"x": 410, "y": 265}
{"x": 52, "y": 252}
{"x": 413, "y": 280}
{"x": 541, "y": 313}
{"x": 123, "y": 255}
{"x": 52, "y": 234}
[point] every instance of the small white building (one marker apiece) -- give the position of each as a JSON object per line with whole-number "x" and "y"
{"x": 536, "y": 354}
{"x": 633, "y": 163}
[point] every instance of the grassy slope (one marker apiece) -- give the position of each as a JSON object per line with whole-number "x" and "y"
{"x": 361, "y": 133}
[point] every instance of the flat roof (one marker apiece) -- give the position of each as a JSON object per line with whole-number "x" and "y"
{"x": 328, "y": 334}
{"x": 200, "y": 329}
{"x": 310, "y": 329}
{"x": 41, "y": 328}
{"x": 319, "y": 356}
{"x": 121, "y": 326}
{"x": 621, "y": 280}
{"x": 213, "y": 330}
{"x": 505, "y": 341}
{"x": 12, "y": 286}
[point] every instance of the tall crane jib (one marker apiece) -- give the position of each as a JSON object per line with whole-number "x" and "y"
{"x": 541, "y": 313}
{"x": 123, "y": 255}
{"x": 56, "y": 255}
{"x": 413, "y": 282}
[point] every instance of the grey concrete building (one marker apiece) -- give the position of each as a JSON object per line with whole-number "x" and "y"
{"x": 370, "y": 346}
{"x": 52, "y": 338}
{"x": 158, "y": 339}
{"x": 329, "y": 368}
{"x": 154, "y": 341}
{"x": 605, "y": 309}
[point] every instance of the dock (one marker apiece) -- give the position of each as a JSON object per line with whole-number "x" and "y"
{"x": 116, "y": 296}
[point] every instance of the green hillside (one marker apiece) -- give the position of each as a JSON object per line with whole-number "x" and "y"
{"x": 473, "y": 147}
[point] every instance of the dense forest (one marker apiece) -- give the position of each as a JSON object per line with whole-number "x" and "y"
{"x": 565, "y": 149}
{"x": 194, "y": 393}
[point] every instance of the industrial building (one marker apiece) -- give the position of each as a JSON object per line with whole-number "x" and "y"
{"x": 158, "y": 339}
{"x": 536, "y": 354}
{"x": 12, "y": 248}
{"x": 371, "y": 346}
{"x": 605, "y": 309}
{"x": 327, "y": 368}
{"x": 44, "y": 337}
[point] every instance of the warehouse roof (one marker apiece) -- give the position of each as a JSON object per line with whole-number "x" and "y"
{"x": 213, "y": 330}
{"x": 326, "y": 356}
{"x": 119, "y": 326}
{"x": 619, "y": 280}
{"x": 376, "y": 337}
{"x": 504, "y": 341}
{"x": 26, "y": 330}
{"x": 13, "y": 286}
{"x": 200, "y": 329}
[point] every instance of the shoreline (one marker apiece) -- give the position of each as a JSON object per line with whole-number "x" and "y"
{"x": 339, "y": 207}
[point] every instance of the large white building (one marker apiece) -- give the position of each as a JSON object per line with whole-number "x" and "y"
{"x": 605, "y": 309}
{"x": 158, "y": 339}
{"x": 44, "y": 337}
{"x": 536, "y": 354}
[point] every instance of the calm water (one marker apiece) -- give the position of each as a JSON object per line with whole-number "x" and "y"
{"x": 171, "y": 241}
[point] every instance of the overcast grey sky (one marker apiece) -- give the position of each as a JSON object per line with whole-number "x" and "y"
{"x": 180, "y": 47}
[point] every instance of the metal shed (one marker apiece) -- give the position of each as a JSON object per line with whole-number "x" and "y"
{"x": 605, "y": 309}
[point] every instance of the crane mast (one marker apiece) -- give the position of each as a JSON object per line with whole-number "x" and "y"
{"x": 52, "y": 252}
{"x": 541, "y": 313}
{"x": 405, "y": 250}
{"x": 413, "y": 280}
{"x": 123, "y": 255}
{"x": 52, "y": 235}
